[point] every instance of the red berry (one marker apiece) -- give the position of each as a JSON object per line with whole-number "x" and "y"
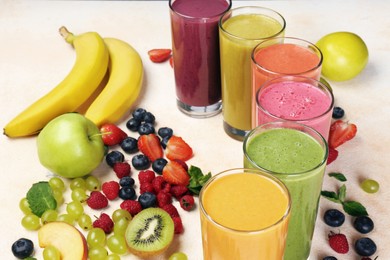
{"x": 178, "y": 191}
{"x": 171, "y": 61}
{"x": 122, "y": 169}
{"x": 159, "y": 55}
{"x": 178, "y": 224}
{"x": 171, "y": 210}
{"x": 112, "y": 134}
{"x": 132, "y": 206}
{"x": 159, "y": 184}
{"x": 338, "y": 242}
{"x": 183, "y": 163}
{"x": 146, "y": 187}
{"x": 175, "y": 174}
{"x": 177, "y": 148}
{"x": 341, "y": 132}
{"x": 187, "y": 202}
{"x": 146, "y": 176}
{"x": 110, "y": 189}
{"x": 97, "y": 200}
{"x": 332, "y": 156}
{"x": 150, "y": 146}
{"x": 163, "y": 199}
{"x": 104, "y": 222}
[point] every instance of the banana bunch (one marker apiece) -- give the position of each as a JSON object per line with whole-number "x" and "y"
{"x": 95, "y": 57}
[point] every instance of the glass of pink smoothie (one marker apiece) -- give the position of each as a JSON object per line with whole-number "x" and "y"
{"x": 295, "y": 98}
{"x": 195, "y": 46}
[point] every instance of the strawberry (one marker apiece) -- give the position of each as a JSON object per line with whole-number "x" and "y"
{"x": 97, "y": 200}
{"x": 159, "y": 55}
{"x": 171, "y": 61}
{"x": 175, "y": 174}
{"x": 146, "y": 176}
{"x": 187, "y": 202}
{"x": 104, "y": 222}
{"x": 178, "y": 149}
{"x": 132, "y": 206}
{"x": 150, "y": 146}
{"x": 122, "y": 169}
{"x": 163, "y": 198}
{"x": 178, "y": 191}
{"x": 333, "y": 154}
{"x": 178, "y": 224}
{"x": 110, "y": 189}
{"x": 338, "y": 242}
{"x": 171, "y": 210}
{"x": 112, "y": 134}
{"x": 341, "y": 132}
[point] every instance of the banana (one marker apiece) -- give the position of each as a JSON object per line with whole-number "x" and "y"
{"x": 88, "y": 71}
{"x": 123, "y": 87}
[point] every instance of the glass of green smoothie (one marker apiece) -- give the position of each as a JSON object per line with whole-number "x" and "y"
{"x": 297, "y": 155}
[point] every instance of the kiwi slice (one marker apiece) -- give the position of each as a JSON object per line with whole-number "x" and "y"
{"x": 150, "y": 232}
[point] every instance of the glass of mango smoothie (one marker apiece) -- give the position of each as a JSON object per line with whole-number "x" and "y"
{"x": 284, "y": 56}
{"x": 240, "y": 30}
{"x": 296, "y": 154}
{"x": 244, "y": 214}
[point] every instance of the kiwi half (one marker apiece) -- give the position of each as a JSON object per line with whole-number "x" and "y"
{"x": 150, "y": 232}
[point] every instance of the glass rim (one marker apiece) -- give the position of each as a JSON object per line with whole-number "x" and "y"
{"x": 289, "y": 78}
{"x": 310, "y": 45}
{"x": 221, "y": 20}
{"x": 199, "y": 18}
{"x": 277, "y": 182}
{"x": 279, "y": 125}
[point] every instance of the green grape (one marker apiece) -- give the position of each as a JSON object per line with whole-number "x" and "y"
{"x": 24, "y": 207}
{"x": 370, "y": 186}
{"x": 178, "y": 256}
{"x": 31, "y": 222}
{"x": 78, "y": 183}
{"x": 51, "y": 253}
{"x": 92, "y": 183}
{"x": 117, "y": 244}
{"x": 58, "y": 196}
{"x": 96, "y": 237}
{"x": 67, "y": 218}
{"x": 85, "y": 221}
{"x": 49, "y": 215}
{"x": 78, "y": 194}
{"x": 97, "y": 253}
{"x": 120, "y": 213}
{"x": 75, "y": 209}
{"x": 120, "y": 226}
{"x": 57, "y": 183}
{"x": 113, "y": 257}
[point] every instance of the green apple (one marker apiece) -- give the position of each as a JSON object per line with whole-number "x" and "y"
{"x": 70, "y": 145}
{"x": 345, "y": 55}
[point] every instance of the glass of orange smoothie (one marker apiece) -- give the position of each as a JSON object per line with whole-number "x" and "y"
{"x": 244, "y": 214}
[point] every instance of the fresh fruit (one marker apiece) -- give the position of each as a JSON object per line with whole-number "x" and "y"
{"x": 177, "y": 222}
{"x": 104, "y": 222}
{"x": 363, "y": 224}
{"x": 96, "y": 237}
{"x": 149, "y": 118}
{"x": 159, "y": 55}
{"x": 114, "y": 157}
{"x": 146, "y": 187}
{"x": 66, "y": 238}
{"x": 341, "y": 132}
{"x": 334, "y": 217}
{"x": 85, "y": 222}
{"x": 132, "y": 124}
{"x": 177, "y": 148}
{"x": 187, "y": 202}
{"x": 146, "y": 128}
{"x": 163, "y": 198}
{"x": 49, "y": 215}
{"x": 150, "y": 232}
{"x": 140, "y": 162}
{"x": 70, "y": 145}
{"x": 175, "y": 174}
{"x": 31, "y": 222}
{"x": 146, "y": 176}
{"x": 92, "y": 183}
{"x": 22, "y": 248}
{"x": 338, "y": 242}
{"x": 97, "y": 253}
{"x": 129, "y": 145}
{"x": 139, "y": 114}
{"x": 365, "y": 246}
{"x": 24, "y": 207}
{"x": 123, "y": 87}
{"x": 110, "y": 189}
{"x": 112, "y": 134}
{"x": 329, "y": 258}
{"x": 126, "y": 181}
{"x": 127, "y": 193}
{"x": 165, "y": 131}
{"x": 132, "y": 206}
{"x": 171, "y": 210}
{"x": 159, "y": 184}
{"x": 51, "y": 253}
{"x": 178, "y": 191}
{"x": 77, "y": 183}
{"x": 370, "y": 186}
{"x": 81, "y": 82}
{"x": 120, "y": 213}
{"x": 147, "y": 200}
{"x": 57, "y": 183}
{"x": 338, "y": 113}
{"x": 97, "y": 200}
{"x": 117, "y": 244}
{"x": 150, "y": 146}
{"x": 345, "y": 55}
{"x": 178, "y": 256}
{"x": 332, "y": 155}
{"x": 75, "y": 209}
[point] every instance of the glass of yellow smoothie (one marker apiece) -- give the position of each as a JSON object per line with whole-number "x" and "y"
{"x": 244, "y": 214}
{"x": 240, "y": 30}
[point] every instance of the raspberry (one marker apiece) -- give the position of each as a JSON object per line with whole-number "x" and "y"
{"x": 146, "y": 187}
{"x": 132, "y": 206}
{"x": 110, "y": 189}
{"x": 178, "y": 191}
{"x": 104, "y": 222}
{"x": 159, "y": 184}
{"x": 171, "y": 210}
{"x": 163, "y": 198}
{"x": 146, "y": 176}
{"x": 97, "y": 200}
{"x": 122, "y": 169}
{"x": 187, "y": 202}
{"x": 178, "y": 224}
{"x": 338, "y": 242}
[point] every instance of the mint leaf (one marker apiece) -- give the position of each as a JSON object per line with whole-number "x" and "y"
{"x": 342, "y": 193}
{"x": 330, "y": 195}
{"x": 338, "y": 176}
{"x": 197, "y": 179}
{"x": 354, "y": 208}
{"x": 40, "y": 198}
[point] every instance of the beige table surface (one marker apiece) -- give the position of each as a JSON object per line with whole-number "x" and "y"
{"x": 34, "y": 58}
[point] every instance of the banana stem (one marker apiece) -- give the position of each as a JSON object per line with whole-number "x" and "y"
{"x": 68, "y": 36}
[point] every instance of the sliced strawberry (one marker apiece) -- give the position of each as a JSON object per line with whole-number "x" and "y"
{"x": 178, "y": 149}
{"x": 175, "y": 174}
{"x": 150, "y": 146}
{"x": 341, "y": 132}
{"x": 159, "y": 55}
{"x": 112, "y": 134}
{"x": 333, "y": 153}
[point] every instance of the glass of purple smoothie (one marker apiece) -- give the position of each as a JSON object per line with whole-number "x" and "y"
{"x": 196, "y": 63}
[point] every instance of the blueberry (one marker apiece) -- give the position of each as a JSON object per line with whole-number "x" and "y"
{"x": 164, "y": 141}
{"x": 329, "y": 258}
{"x": 114, "y": 157}
{"x": 147, "y": 200}
{"x": 126, "y": 181}
{"x": 132, "y": 124}
{"x": 140, "y": 162}
{"x": 158, "y": 165}
{"x": 139, "y": 114}
{"x": 165, "y": 131}
{"x": 129, "y": 145}
{"x": 22, "y": 248}
{"x": 146, "y": 128}
{"x": 338, "y": 112}
{"x": 127, "y": 193}
{"x": 365, "y": 246}
{"x": 334, "y": 217}
{"x": 363, "y": 224}
{"x": 149, "y": 118}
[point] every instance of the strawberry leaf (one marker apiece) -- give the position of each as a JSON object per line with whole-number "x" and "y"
{"x": 330, "y": 195}
{"x": 354, "y": 208}
{"x": 339, "y": 176}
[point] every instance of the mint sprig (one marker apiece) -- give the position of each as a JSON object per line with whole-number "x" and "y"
{"x": 40, "y": 198}
{"x": 197, "y": 179}
{"x": 339, "y": 176}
